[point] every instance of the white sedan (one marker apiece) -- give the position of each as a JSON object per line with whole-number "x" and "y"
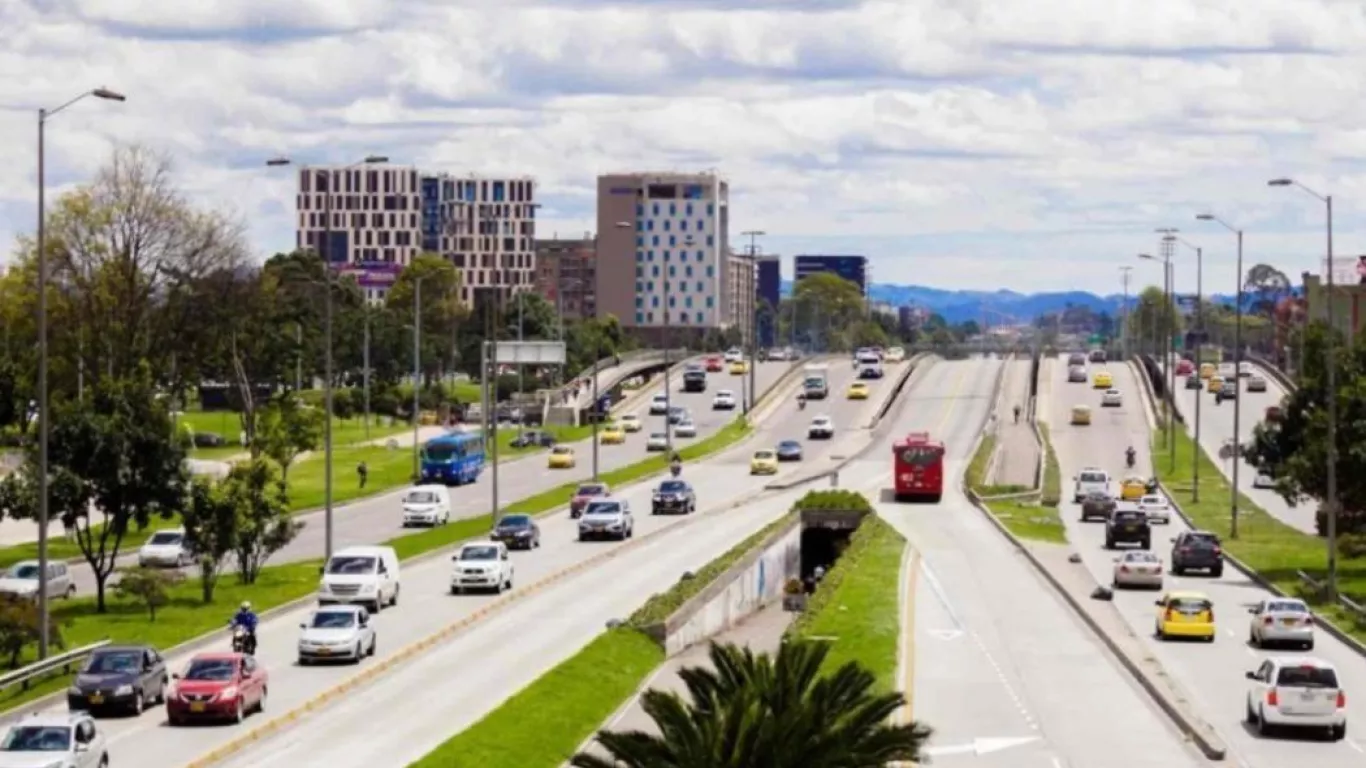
{"x": 1157, "y": 508}
{"x": 1138, "y": 568}
{"x": 822, "y": 428}
{"x": 658, "y": 441}
{"x": 1263, "y": 480}
{"x": 1297, "y": 692}
{"x": 1111, "y": 399}
{"x": 336, "y": 633}
{"x": 1281, "y": 620}
{"x": 685, "y": 428}
{"x": 724, "y": 400}
{"x": 659, "y": 405}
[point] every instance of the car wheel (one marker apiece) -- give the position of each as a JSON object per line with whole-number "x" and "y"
{"x": 261, "y": 702}
{"x": 139, "y": 701}
{"x": 1249, "y": 716}
{"x": 375, "y": 607}
{"x": 393, "y": 601}
{"x": 1252, "y": 639}
{"x": 455, "y": 590}
{"x": 104, "y": 761}
{"x": 1263, "y": 727}
{"x": 70, "y": 592}
{"x": 1309, "y": 646}
{"x": 161, "y": 692}
{"x": 1109, "y": 543}
{"x": 303, "y": 661}
{"x": 356, "y": 655}
{"x": 239, "y": 713}
{"x": 374, "y": 646}
{"x": 1217, "y": 572}
{"x": 1338, "y": 732}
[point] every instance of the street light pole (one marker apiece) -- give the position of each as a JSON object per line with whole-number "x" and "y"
{"x": 1237, "y": 371}
{"x": 1124, "y": 313}
{"x": 417, "y": 373}
{"x": 365, "y": 362}
{"x": 753, "y": 235}
{"x": 1199, "y": 342}
{"x": 44, "y": 631}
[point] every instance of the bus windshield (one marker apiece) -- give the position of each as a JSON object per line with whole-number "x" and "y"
{"x": 920, "y": 455}
{"x": 442, "y": 451}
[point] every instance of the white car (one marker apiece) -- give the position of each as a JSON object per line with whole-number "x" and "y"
{"x": 1256, "y": 384}
{"x": 657, "y": 441}
{"x": 607, "y": 519}
{"x": 1111, "y": 399}
{"x": 1157, "y": 508}
{"x": 1137, "y": 568}
{"x": 659, "y": 404}
{"x": 1227, "y": 371}
{"x": 165, "y": 549}
{"x": 1263, "y": 480}
{"x": 1244, "y": 369}
{"x": 1090, "y": 480}
{"x": 867, "y": 357}
{"x": 723, "y": 401}
{"x": 1281, "y": 620}
{"x": 822, "y": 428}
{"x": 894, "y": 355}
{"x": 484, "y": 565}
{"x": 427, "y": 505}
{"x": 630, "y": 423}
{"x": 735, "y": 355}
{"x": 337, "y": 632}
{"x": 685, "y": 428}
{"x": 1296, "y": 692}
{"x": 66, "y": 740}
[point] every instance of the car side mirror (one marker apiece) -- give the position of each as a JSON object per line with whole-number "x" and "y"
{"x": 1172, "y": 539}
{"x": 1252, "y": 611}
{"x": 1250, "y": 675}
{"x": 303, "y": 625}
{"x": 82, "y": 746}
{"x": 175, "y": 676}
{"x": 1157, "y": 603}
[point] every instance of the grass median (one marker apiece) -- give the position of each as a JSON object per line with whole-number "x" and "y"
{"x": 1265, "y": 544}
{"x": 1028, "y": 517}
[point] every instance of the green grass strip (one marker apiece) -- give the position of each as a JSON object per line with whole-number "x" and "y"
{"x": 1052, "y": 473}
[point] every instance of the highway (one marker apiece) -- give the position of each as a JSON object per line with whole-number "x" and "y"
{"x": 395, "y": 718}
{"x": 1211, "y": 675}
{"x": 1002, "y": 669}
{"x": 378, "y": 518}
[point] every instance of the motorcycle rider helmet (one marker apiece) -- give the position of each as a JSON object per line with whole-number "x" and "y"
{"x": 246, "y": 605}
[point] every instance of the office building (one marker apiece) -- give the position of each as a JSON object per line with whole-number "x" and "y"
{"x": 851, "y": 268}
{"x": 565, "y": 275}
{"x": 741, "y": 295}
{"x": 663, "y": 268}
{"x": 768, "y": 287}
{"x": 486, "y": 227}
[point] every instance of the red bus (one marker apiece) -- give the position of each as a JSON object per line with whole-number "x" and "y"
{"x": 918, "y": 464}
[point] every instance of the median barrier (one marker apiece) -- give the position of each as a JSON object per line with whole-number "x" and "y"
{"x": 1281, "y": 377}
{"x": 635, "y": 399}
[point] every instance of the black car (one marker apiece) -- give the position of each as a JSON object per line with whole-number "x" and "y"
{"x": 1097, "y": 504}
{"x": 119, "y": 678}
{"x": 517, "y": 532}
{"x": 533, "y": 439}
{"x": 870, "y": 372}
{"x": 1193, "y": 382}
{"x": 674, "y": 496}
{"x": 789, "y": 450}
{"x": 1197, "y": 551}
{"x": 1128, "y": 526}
{"x": 1227, "y": 392}
{"x": 695, "y": 380}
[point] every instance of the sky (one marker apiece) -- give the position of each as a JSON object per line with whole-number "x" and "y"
{"x": 960, "y": 144}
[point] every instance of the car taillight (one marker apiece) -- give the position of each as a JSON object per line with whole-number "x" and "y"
{"x": 1342, "y": 700}
{"x": 1268, "y": 621}
{"x": 1182, "y": 550}
{"x": 1124, "y": 569}
{"x": 1210, "y": 613}
{"x": 1272, "y": 700}
{"x": 1168, "y": 615}
{"x": 1218, "y": 551}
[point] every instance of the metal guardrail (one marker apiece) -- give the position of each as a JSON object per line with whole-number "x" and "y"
{"x": 633, "y": 356}
{"x": 1346, "y": 602}
{"x": 24, "y": 675}
{"x": 1282, "y": 378}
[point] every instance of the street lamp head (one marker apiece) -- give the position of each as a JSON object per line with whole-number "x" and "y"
{"x": 276, "y": 162}
{"x": 1169, "y": 238}
{"x": 376, "y": 159}
{"x": 1280, "y": 182}
{"x": 105, "y": 93}
{"x": 1205, "y": 217}
{"x": 1147, "y": 256}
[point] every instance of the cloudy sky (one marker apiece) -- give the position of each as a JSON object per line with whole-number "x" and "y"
{"x": 1032, "y": 145}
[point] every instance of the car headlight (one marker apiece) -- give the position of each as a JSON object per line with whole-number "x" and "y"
{"x": 228, "y": 693}
{"x": 58, "y": 764}
{"x": 367, "y": 589}
{"x": 123, "y": 690}
{"x": 75, "y": 690}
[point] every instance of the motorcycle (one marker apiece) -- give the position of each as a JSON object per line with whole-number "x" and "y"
{"x": 1129, "y": 459}
{"x": 801, "y": 403}
{"x": 675, "y": 469}
{"x": 243, "y": 641}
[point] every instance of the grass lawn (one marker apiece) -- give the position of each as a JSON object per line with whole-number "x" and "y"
{"x": 857, "y": 603}
{"x": 228, "y": 425}
{"x": 1052, "y": 473}
{"x": 1272, "y": 548}
{"x": 1027, "y": 518}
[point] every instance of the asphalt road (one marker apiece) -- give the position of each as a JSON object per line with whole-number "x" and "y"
{"x": 1211, "y": 675}
{"x": 395, "y": 718}
{"x": 379, "y": 518}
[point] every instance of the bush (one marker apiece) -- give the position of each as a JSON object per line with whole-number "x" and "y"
{"x": 1350, "y": 521}
{"x": 836, "y": 500}
{"x": 149, "y": 586}
{"x": 19, "y": 628}
{"x": 1052, "y": 474}
{"x": 1352, "y": 546}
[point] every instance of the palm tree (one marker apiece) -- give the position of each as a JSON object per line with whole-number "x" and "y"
{"x": 758, "y": 711}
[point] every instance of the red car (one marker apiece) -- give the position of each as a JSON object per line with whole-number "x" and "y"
{"x": 1185, "y": 368}
{"x": 586, "y": 493}
{"x": 217, "y": 686}
{"x": 714, "y": 365}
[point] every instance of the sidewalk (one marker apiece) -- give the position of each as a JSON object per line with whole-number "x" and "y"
{"x": 1017, "y": 450}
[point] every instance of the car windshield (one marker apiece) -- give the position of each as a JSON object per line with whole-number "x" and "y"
{"x": 483, "y": 552}
{"x": 1307, "y": 677}
{"x": 1129, "y": 517}
{"x": 725, "y": 393}
{"x": 603, "y": 508}
{"x": 351, "y": 565}
{"x": 630, "y": 418}
{"x": 660, "y": 398}
{"x": 1189, "y": 605}
{"x": 561, "y": 450}
{"x": 23, "y": 571}
{"x": 421, "y": 497}
{"x": 673, "y": 486}
{"x": 113, "y": 663}
{"x": 1154, "y": 501}
{"x": 210, "y": 669}
{"x": 438, "y": 452}
{"x": 333, "y": 619}
{"x": 789, "y": 445}
{"x": 1093, "y": 477}
{"x": 1202, "y": 539}
{"x": 658, "y": 436}
{"x": 37, "y": 738}
{"x": 166, "y": 537}
{"x": 761, "y": 455}
{"x": 1112, "y": 392}
{"x": 1287, "y": 606}
{"x": 1140, "y": 557}
{"x": 590, "y": 490}
{"x": 515, "y": 521}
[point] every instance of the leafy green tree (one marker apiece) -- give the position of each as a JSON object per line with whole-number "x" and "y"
{"x": 286, "y": 428}
{"x": 443, "y": 314}
{"x": 149, "y": 586}
{"x": 264, "y": 525}
{"x": 1149, "y": 317}
{"x": 19, "y": 628}
{"x": 757, "y": 710}
{"x": 210, "y": 519}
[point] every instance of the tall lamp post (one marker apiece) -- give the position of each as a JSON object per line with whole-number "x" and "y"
{"x": 1331, "y": 478}
{"x": 1124, "y": 312}
{"x": 753, "y": 235}
{"x": 417, "y": 375}
{"x": 44, "y": 632}
{"x": 1237, "y": 369}
{"x": 1163, "y": 348}
{"x": 327, "y": 257}
{"x": 1199, "y": 340}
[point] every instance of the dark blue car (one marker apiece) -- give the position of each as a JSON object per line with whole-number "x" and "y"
{"x": 789, "y": 450}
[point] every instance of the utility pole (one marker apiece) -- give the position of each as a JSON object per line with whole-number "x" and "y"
{"x": 417, "y": 374}
{"x": 1124, "y": 312}
{"x": 365, "y": 363}
{"x": 753, "y": 323}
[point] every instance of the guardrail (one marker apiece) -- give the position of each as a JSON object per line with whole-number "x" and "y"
{"x": 1282, "y": 378}
{"x": 633, "y": 356}
{"x": 23, "y": 675}
{"x": 1321, "y": 587}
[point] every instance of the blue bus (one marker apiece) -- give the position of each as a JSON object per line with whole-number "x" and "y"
{"x": 456, "y": 458}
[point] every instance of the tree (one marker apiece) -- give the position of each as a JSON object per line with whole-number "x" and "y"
{"x": 149, "y": 586}
{"x": 264, "y": 525}
{"x": 443, "y": 314}
{"x": 210, "y": 519}
{"x": 19, "y": 628}
{"x": 826, "y": 304}
{"x": 286, "y": 428}
{"x": 1149, "y": 318}
{"x": 1267, "y": 285}
{"x": 757, "y": 710}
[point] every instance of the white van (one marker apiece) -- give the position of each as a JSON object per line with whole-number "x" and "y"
{"x": 427, "y": 505}
{"x": 367, "y": 576}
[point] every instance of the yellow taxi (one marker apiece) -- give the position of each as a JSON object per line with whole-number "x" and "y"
{"x": 1102, "y": 380}
{"x": 1216, "y": 384}
{"x": 612, "y": 434}
{"x": 857, "y": 391}
{"x": 739, "y": 367}
{"x": 1207, "y": 370}
{"x": 1081, "y": 415}
{"x": 1185, "y": 614}
{"x": 1133, "y": 488}
{"x": 562, "y": 457}
{"x": 765, "y": 462}
{"x": 630, "y": 423}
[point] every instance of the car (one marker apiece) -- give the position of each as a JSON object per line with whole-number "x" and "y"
{"x": 1157, "y": 508}
{"x": 370, "y": 575}
{"x": 517, "y": 532}
{"x": 739, "y": 367}
{"x": 685, "y": 428}
{"x": 735, "y": 355}
{"x": 1097, "y": 504}
{"x": 659, "y": 404}
{"x": 533, "y": 439}
{"x": 1263, "y": 480}
{"x": 789, "y": 450}
{"x": 484, "y": 565}
{"x": 119, "y": 678}
{"x": 1076, "y": 360}
{"x": 1297, "y": 692}
{"x": 1138, "y": 568}
{"x": 764, "y": 462}
{"x": 867, "y": 356}
{"x": 677, "y": 414}
{"x": 21, "y": 580}
{"x": 673, "y": 496}
{"x": 714, "y": 364}
{"x": 1088, "y": 481}
{"x": 657, "y": 441}
{"x": 1111, "y": 399}
{"x": 822, "y": 428}
{"x": 1128, "y": 526}
{"x": 217, "y": 686}
{"x": 630, "y": 423}
{"x": 1281, "y": 621}
{"x": 695, "y": 379}
{"x": 1185, "y": 367}
{"x": 1227, "y": 391}
{"x": 427, "y": 505}
{"x": 1081, "y": 415}
{"x": 1244, "y": 370}
{"x": 1207, "y": 371}
{"x": 1227, "y": 371}
{"x": 561, "y": 457}
{"x": 337, "y": 633}
{"x": 1193, "y": 382}
{"x": 585, "y": 493}
{"x": 1215, "y": 384}
{"x": 166, "y": 549}
{"x": 857, "y": 391}
{"x": 607, "y": 519}
{"x": 1097, "y": 356}
{"x": 612, "y": 434}
{"x": 1256, "y": 384}
{"x": 57, "y": 740}
{"x": 723, "y": 401}
{"x": 1102, "y": 380}
{"x": 1185, "y": 614}
{"x": 1076, "y": 374}
{"x": 1133, "y": 488}
{"x": 1197, "y": 551}
{"x": 894, "y": 355}
{"x": 870, "y": 372}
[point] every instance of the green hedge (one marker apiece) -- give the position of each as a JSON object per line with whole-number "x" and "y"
{"x": 843, "y": 501}
{"x": 1052, "y": 474}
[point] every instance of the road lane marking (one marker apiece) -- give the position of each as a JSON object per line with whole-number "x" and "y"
{"x": 938, "y": 589}
{"x": 909, "y": 584}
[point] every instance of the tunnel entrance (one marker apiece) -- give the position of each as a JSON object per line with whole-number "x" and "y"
{"x": 825, "y": 536}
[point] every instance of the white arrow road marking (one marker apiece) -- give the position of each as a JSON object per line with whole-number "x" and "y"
{"x": 947, "y": 634}
{"x": 981, "y": 746}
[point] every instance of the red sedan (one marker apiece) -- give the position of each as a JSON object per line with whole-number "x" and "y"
{"x": 714, "y": 365}
{"x": 217, "y": 686}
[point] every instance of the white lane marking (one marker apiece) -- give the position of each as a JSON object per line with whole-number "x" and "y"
{"x": 1354, "y": 745}
{"x": 939, "y": 593}
{"x": 1005, "y": 682}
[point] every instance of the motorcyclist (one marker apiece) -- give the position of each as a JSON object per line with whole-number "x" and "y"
{"x": 247, "y": 620}
{"x": 1017, "y": 414}
{"x": 675, "y": 464}
{"x": 801, "y": 400}
{"x": 1130, "y": 456}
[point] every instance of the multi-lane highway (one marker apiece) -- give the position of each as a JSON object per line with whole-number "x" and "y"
{"x": 1000, "y": 666}
{"x": 378, "y": 518}
{"x": 413, "y": 707}
{"x": 1211, "y": 675}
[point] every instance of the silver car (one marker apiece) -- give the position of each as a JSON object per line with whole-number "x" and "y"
{"x": 685, "y": 428}
{"x": 66, "y": 740}
{"x": 1281, "y": 620}
{"x": 1256, "y": 384}
{"x": 337, "y": 632}
{"x": 607, "y": 520}
{"x": 657, "y": 441}
{"x": 1138, "y": 568}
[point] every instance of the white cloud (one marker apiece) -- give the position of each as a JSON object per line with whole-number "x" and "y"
{"x": 1033, "y": 145}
